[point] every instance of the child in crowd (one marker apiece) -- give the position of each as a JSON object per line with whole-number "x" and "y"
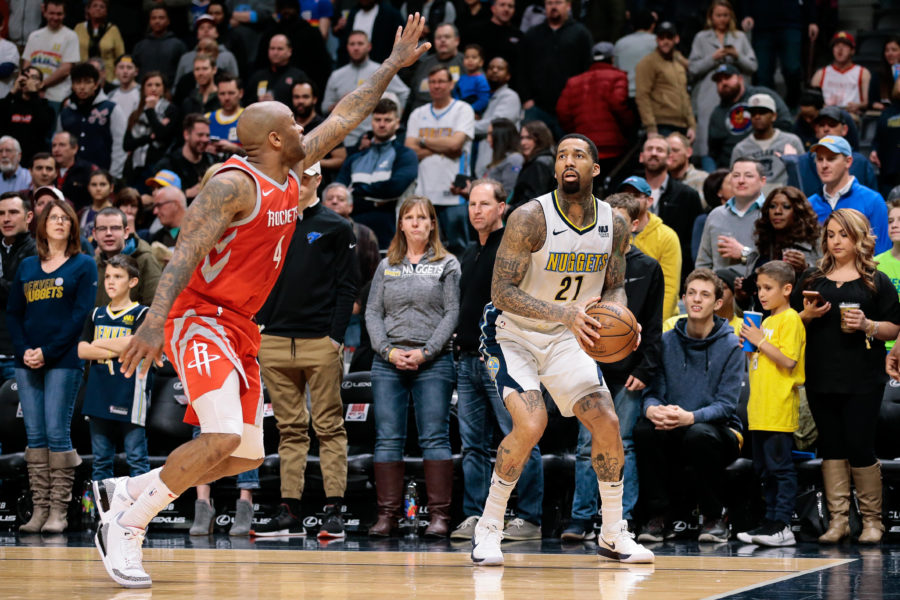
{"x": 116, "y": 405}
{"x": 472, "y": 86}
{"x": 889, "y": 260}
{"x": 776, "y": 369}
{"x": 100, "y": 188}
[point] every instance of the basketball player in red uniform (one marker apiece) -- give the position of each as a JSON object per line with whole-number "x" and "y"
{"x": 228, "y": 257}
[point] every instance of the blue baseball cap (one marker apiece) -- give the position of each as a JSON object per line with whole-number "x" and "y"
{"x": 164, "y": 178}
{"x": 638, "y": 183}
{"x": 835, "y": 143}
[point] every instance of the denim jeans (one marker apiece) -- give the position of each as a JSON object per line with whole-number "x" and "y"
{"x": 248, "y": 480}
{"x": 48, "y": 399}
{"x": 454, "y": 224}
{"x": 477, "y": 398}
{"x": 785, "y": 45}
{"x": 104, "y": 434}
{"x": 430, "y": 388}
{"x": 7, "y": 369}
{"x": 584, "y": 503}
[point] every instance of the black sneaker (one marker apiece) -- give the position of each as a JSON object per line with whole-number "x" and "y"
{"x": 332, "y": 524}
{"x": 654, "y": 530}
{"x": 714, "y": 530}
{"x": 284, "y": 523}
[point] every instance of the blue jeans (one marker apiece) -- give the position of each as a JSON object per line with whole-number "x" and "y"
{"x": 584, "y": 503}
{"x": 454, "y": 224}
{"x": 430, "y": 388}
{"x": 785, "y": 45}
{"x": 248, "y": 480}
{"x": 774, "y": 465}
{"x": 104, "y": 433}
{"x": 477, "y": 396}
{"x": 48, "y": 399}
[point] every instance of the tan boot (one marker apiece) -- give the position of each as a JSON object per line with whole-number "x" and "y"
{"x": 38, "y": 461}
{"x": 389, "y": 492}
{"x": 868, "y": 491}
{"x": 836, "y": 475}
{"x": 439, "y": 487}
{"x": 62, "y": 476}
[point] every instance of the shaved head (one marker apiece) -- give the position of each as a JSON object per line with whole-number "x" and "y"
{"x": 269, "y": 127}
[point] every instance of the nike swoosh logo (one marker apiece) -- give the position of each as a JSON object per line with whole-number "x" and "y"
{"x": 352, "y": 246}
{"x": 559, "y": 232}
{"x": 633, "y": 279}
{"x": 268, "y": 191}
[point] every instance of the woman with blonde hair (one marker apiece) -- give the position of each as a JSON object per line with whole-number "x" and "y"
{"x": 853, "y": 311}
{"x": 410, "y": 315}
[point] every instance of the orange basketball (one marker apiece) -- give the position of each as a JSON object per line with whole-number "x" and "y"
{"x": 618, "y": 333}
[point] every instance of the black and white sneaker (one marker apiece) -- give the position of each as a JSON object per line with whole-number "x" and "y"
{"x": 778, "y": 535}
{"x": 621, "y": 546}
{"x": 746, "y": 536}
{"x": 714, "y": 530}
{"x": 283, "y": 524}
{"x": 120, "y": 550}
{"x": 332, "y": 524}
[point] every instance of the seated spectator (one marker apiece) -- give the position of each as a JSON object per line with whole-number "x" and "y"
{"x": 274, "y": 82}
{"x": 886, "y": 145}
{"x": 691, "y": 430}
{"x": 190, "y": 160}
{"x": 377, "y": 184}
{"x": 811, "y": 102}
{"x": 472, "y": 86}
{"x": 506, "y": 160}
{"x": 498, "y": 36}
{"x": 205, "y": 28}
{"x": 223, "y": 122}
{"x": 537, "y": 176}
{"x": 842, "y": 190}
{"x": 113, "y": 237}
{"x": 115, "y": 405}
{"x": 98, "y": 37}
{"x": 889, "y": 260}
{"x": 595, "y": 103}
{"x": 160, "y": 50}
{"x": 169, "y": 205}
{"x": 53, "y": 49}
{"x": 43, "y": 173}
{"x": 151, "y": 128}
{"x": 73, "y": 171}
{"x": 436, "y": 13}
{"x": 661, "y": 88}
{"x": 379, "y": 20}
{"x": 766, "y": 143}
{"x": 446, "y": 54}
{"x": 304, "y": 100}
{"x": 18, "y": 244}
{"x": 129, "y": 201}
{"x": 240, "y": 40}
{"x": 26, "y": 115}
{"x": 503, "y": 104}
{"x": 203, "y": 97}
{"x": 471, "y": 13}
{"x": 843, "y": 83}
{"x": 679, "y": 166}
{"x": 100, "y": 188}
{"x": 13, "y": 176}
{"x": 9, "y": 61}
{"x": 127, "y": 95}
{"x": 883, "y": 79}
{"x": 311, "y": 56}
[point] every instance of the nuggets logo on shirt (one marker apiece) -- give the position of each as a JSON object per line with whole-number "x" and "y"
{"x": 43, "y": 289}
{"x": 576, "y": 262}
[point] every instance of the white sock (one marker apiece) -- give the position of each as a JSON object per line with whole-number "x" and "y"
{"x": 135, "y": 485}
{"x": 498, "y": 497}
{"x": 155, "y": 497}
{"x": 610, "y": 505}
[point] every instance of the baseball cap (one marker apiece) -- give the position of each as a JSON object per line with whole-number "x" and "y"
{"x": 763, "y": 101}
{"x": 48, "y": 189}
{"x": 164, "y": 178}
{"x": 725, "y": 70}
{"x": 203, "y": 18}
{"x": 844, "y": 37}
{"x": 666, "y": 28}
{"x": 315, "y": 169}
{"x": 831, "y": 112}
{"x": 603, "y": 50}
{"x": 638, "y": 183}
{"x": 835, "y": 143}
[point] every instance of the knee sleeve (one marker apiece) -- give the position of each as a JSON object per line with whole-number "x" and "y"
{"x": 219, "y": 411}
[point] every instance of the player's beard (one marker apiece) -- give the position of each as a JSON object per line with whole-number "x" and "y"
{"x": 572, "y": 186}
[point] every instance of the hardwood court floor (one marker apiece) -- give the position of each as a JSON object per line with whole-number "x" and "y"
{"x": 46, "y": 572}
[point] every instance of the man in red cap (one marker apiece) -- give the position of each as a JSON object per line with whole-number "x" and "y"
{"x": 843, "y": 83}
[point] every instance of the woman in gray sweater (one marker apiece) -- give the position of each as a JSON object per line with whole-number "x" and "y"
{"x": 411, "y": 314}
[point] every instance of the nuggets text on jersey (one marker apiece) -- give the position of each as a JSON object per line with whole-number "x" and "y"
{"x": 576, "y": 262}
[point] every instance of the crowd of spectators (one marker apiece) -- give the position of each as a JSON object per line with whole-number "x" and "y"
{"x": 110, "y": 116}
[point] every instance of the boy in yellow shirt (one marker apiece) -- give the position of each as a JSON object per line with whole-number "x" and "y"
{"x": 776, "y": 369}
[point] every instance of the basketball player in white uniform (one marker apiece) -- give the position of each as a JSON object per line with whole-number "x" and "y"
{"x": 560, "y": 253}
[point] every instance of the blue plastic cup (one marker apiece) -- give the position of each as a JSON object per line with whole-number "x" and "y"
{"x": 751, "y": 318}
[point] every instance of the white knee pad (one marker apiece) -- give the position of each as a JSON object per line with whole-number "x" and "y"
{"x": 251, "y": 443}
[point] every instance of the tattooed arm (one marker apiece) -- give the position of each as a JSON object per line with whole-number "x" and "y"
{"x": 614, "y": 284}
{"x": 226, "y": 198}
{"x": 356, "y": 106}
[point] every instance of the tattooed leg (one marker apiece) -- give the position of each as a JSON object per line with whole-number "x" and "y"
{"x": 597, "y": 413}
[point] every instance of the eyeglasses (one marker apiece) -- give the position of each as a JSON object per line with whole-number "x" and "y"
{"x": 59, "y": 219}
{"x": 163, "y": 203}
{"x": 113, "y": 228}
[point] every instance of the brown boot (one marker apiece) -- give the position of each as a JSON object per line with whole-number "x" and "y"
{"x": 868, "y": 491}
{"x": 389, "y": 491}
{"x": 439, "y": 486}
{"x": 38, "y": 461}
{"x": 836, "y": 475}
{"x": 62, "y": 476}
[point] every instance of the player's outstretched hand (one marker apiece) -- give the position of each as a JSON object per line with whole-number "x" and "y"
{"x": 406, "y": 43}
{"x": 145, "y": 348}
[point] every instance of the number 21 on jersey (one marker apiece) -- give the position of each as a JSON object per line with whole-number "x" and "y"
{"x": 564, "y": 288}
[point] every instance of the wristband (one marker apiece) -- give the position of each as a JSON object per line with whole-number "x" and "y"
{"x": 391, "y": 353}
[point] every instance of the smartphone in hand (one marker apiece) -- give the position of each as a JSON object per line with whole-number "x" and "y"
{"x": 814, "y": 297}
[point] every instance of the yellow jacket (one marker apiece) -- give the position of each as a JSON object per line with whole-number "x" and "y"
{"x": 659, "y": 241}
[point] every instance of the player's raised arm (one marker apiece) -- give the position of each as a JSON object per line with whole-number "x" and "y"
{"x": 614, "y": 284}
{"x": 358, "y": 104}
{"x": 226, "y": 195}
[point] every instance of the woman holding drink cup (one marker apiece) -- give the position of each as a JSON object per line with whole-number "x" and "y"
{"x": 849, "y": 309}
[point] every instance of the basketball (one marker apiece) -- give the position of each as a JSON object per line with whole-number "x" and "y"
{"x": 618, "y": 334}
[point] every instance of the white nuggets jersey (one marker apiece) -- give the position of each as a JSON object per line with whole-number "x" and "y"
{"x": 571, "y": 265}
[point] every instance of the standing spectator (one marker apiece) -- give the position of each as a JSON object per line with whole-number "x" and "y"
{"x": 679, "y": 166}
{"x": 479, "y": 399}
{"x": 190, "y": 160}
{"x": 304, "y": 100}
{"x": 98, "y": 37}
{"x": 13, "y": 176}
{"x": 43, "y": 173}
{"x": 537, "y": 176}
{"x": 311, "y": 56}
{"x": 778, "y": 31}
{"x": 595, "y": 104}
{"x": 151, "y": 128}
{"x": 50, "y": 298}
{"x": 446, "y": 54}
{"x": 843, "y": 83}
{"x": 471, "y": 13}
{"x": 344, "y": 80}
{"x": 274, "y": 82}
{"x": 506, "y": 160}
{"x": 73, "y": 171}
{"x": 720, "y": 43}
{"x": 302, "y": 344}
{"x": 26, "y": 116}
{"x": 472, "y": 86}
{"x": 379, "y": 20}
{"x": 223, "y": 122}
{"x": 504, "y": 103}
{"x": 661, "y": 88}
{"x": 554, "y": 51}
{"x": 440, "y": 133}
{"x": 113, "y": 237}
{"x": 691, "y": 430}
{"x": 24, "y": 17}
{"x": 811, "y": 102}
{"x": 318, "y": 13}
{"x": 381, "y": 174}
{"x": 240, "y": 41}
{"x": 160, "y": 50}
{"x": 886, "y": 146}
{"x": 9, "y": 63}
{"x": 127, "y": 95}
{"x": 18, "y": 244}
{"x": 169, "y": 206}
{"x": 882, "y": 85}
{"x": 338, "y": 198}
{"x": 631, "y": 48}
{"x": 411, "y": 313}
{"x": 100, "y": 188}
{"x": 842, "y": 190}
{"x": 498, "y": 38}
{"x": 889, "y": 261}
{"x": 225, "y": 60}
{"x": 845, "y": 375}
{"x": 53, "y": 50}
{"x": 203, "y": 97}
{"x": 767, "y": 144}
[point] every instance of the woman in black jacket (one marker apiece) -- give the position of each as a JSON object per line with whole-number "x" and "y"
{"x": 537, "y": 176}
{"x": 151, "y": 129}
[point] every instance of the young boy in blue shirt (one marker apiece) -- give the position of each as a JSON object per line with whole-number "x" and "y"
{"x": 473, "y": 86}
